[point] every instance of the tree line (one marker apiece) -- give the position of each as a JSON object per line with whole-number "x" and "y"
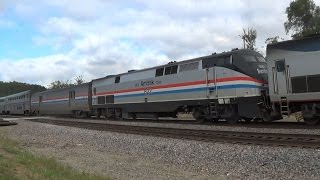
{"x": 8, "y": 88}
{"x": 68, "y": 83}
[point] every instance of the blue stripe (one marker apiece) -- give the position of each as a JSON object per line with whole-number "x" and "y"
{"x": 232, "y": 86}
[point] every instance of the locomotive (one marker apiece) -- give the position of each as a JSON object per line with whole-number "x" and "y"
{"x": 230, "y": 85}
{"x": 227, "y": 86}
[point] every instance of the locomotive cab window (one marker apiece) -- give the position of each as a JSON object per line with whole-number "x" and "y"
{"x": 159, "y": 72}
{"x": 280, "y": 66}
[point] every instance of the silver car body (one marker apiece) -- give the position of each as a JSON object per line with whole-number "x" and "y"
{"x": 293, "y": 70}
{"x": 62, "y": 101}
{"x": 18, "y": 103}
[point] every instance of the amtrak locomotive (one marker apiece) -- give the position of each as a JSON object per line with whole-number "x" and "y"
{"x": 220, "y": 86}
{"x": 231, "y": 85}
{"x": 227, "y": 86}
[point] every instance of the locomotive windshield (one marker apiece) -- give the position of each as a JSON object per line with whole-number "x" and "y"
{"x": 245, "y": 61}
{"x": 251, "y": 58}
{"x": 252, "y": 64}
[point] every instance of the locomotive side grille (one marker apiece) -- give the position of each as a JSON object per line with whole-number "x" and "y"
{"x": 101, "y": 100}
{"x": 304, "y": 84}
{"x": 189, "y": 67}
{"x": 110, "y": 99}
{"x": 313, "y": 83}
{"x": 299, "y": 84}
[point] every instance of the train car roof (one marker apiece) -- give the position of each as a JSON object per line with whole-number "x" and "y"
{"x": 308, "y": 43}
{"x": 16, "y": 94}
{"x": 61, "y": 89}
{"x": 213, "y": 55}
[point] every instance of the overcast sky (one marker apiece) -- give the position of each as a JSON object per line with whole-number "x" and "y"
{"x": 48, "y": 40}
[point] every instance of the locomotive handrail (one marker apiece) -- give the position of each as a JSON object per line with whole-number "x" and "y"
{"x": 289, "y": 90}
{"x": 215, "y": 81}
{"x": 275, "y": 81}
{"x": 207, "y": 82}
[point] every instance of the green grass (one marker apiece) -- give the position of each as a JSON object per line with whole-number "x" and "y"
{"x": 17, "y": 163}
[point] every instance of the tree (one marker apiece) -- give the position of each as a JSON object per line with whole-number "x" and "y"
{"x": 79, "y": 80}
{"x": 59, "y": 84}
{"x": 63, "y": 84}
{"x": 249, "y": 38}
{"x": 303, "y": 18}
{"x": 272, "y": 40}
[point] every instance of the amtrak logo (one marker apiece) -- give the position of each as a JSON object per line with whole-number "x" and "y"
{"x": 262, "y": 71}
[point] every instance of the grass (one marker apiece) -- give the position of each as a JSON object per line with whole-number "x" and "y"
{"x": 17, "y": 163}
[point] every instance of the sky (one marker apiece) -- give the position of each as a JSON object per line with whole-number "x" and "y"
{"x": 48, "y": 40}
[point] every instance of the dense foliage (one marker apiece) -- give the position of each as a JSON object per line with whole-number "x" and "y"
{"x": 8, "y": 88}
{"x": 303, "y": 18}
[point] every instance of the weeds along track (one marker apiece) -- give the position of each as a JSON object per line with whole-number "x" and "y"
{"x": 249, "y": 138}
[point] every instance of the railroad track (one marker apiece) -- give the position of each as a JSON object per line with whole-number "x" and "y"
{"x": 7, "y": 123}
{"x": 276, "y": 124}
{"x": 267, "y": 139}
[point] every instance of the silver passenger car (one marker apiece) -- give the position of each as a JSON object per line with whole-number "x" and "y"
{"x": 18, "y": 103}
{"x": 74, "y": 100}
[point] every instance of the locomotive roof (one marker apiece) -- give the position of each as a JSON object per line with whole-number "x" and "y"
{"x": 228, "y": 53}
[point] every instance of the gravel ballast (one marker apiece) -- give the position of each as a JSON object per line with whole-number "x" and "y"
{"x": 126, "y": 156}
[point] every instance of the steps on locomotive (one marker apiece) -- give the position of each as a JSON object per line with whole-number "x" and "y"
{"x": 213, "y": 108}
{"x": 284, "y": 106}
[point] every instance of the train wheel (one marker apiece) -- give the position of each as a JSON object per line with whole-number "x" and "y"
{"x": 215, "y": 119}
{"x": 247, "y": 120}
{"x": 232, "y": 120}
{"x": 197, "y": 114}
{"x": 155, "y": 117}
{"x": 134, "y": 116}
{"x": 311, "y": 121}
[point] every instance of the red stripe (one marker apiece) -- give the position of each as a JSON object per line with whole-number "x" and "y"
{"x": 239, "y": 78}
